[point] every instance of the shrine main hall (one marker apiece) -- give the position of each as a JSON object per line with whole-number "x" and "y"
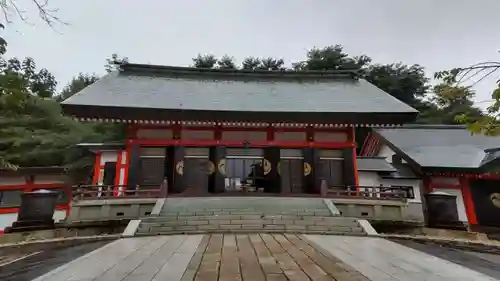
{"x": 217, "y": 132}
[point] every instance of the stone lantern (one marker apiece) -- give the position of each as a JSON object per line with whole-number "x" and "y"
{"x": 36, "y": 212}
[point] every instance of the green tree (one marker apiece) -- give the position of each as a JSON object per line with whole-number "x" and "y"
{"x": 455, "y": 102}
{"x": 250, "y": 63}
{"x": 331, "y": 58}
{"x": 226, "y": 62}
{"x": 113, "y": 63}
{"x": 205, "y": 61}
{"x": 271, "y": 64}
{"x": 78, "y": 83}
{"x": 406, "y": 83}
{"x": 488, "y": 123}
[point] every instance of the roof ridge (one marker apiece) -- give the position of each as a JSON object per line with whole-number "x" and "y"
{"x": 151, "y": 69}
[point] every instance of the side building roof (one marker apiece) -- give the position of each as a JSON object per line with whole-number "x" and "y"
{"x": 441, "y": 146}
{"x": 385, "y": 169}
{"x": 152, "y": 92}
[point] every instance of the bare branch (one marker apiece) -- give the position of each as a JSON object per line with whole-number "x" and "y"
{"x": 486, "y": 75}
{"x": 48, "y": 15}
{"x": 45, "y": 13}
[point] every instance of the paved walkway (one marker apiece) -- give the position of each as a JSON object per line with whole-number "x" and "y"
{"x": 256, "y": 257}
{"x": 380, "y": 260}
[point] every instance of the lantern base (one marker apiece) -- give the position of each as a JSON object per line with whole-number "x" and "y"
{"x": 21, "y": 226}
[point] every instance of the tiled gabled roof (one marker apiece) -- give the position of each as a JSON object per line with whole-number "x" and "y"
{"x": 441, "y": 146}
{"x": 150, "y": 87}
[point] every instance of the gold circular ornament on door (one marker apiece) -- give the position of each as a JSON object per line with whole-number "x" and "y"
{"x": 222, "y": 166}
{"x": 210, "y": 167}
{"x": 179, "y": 167}
{"x": 266, "y": 165}
{"x": 307, "y": 169}
{"x": 495, "y": 199}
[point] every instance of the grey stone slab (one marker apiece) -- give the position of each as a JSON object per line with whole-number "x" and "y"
{"x": 95, "y": 264}
{"x": 100, "y": 263}
{"x": 367, "y": 227}
{"x": 145, "y": 259}
{"x": 152, "y": 265}
{"x": 379, "y": 259}
{"x": 131, "y": 228}
{"x": 177, "y": 264}
{"x": 69, "y": 264}
{"x": 129, "y": 264}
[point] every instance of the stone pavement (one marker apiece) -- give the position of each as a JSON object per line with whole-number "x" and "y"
{"x": 248, "y": 257}
{"x": 380, "y": 259}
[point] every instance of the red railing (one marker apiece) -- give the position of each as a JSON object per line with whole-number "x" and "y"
{"x": 368, "y": 192}
{"x": 92, "y": 192}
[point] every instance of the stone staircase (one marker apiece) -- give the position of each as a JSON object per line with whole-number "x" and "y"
{"x": 248, "y": 214}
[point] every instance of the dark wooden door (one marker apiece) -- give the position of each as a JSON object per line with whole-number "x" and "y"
{"x": 196, "y": 175}
{"x": 152, "y": 172}
{"x": 332, "y": 172}
{"x": 292, "y": 175}
{"x": 486, "y": 197}
{"x": 109, "y": 173}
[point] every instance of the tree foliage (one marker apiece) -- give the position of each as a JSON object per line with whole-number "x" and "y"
{"x": 488, "y": 123}
{"x": 33, "y": 130}
{"x": 78, "y": 83}
{"x": 114, "y": 62}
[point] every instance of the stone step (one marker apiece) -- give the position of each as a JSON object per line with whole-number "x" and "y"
{"x": 230, "y": 223}
{"x": 248, "y": 214}
{"x": 270, "y": 219}
{"x": 233, "y": 228}
{"x": 246, "y": 217}
{"x": 302, "y": 212}
{"x": 254, "y": 205}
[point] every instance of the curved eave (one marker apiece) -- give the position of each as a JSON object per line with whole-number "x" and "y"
{"x": 131, "y": 114}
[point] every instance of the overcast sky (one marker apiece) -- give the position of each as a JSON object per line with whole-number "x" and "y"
{"x": 438, "y": 34}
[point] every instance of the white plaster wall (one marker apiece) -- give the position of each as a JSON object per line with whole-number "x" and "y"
{"x": 373, "y": 179}
{"x": 108, "y": 156}
{"x": 197, "y": 135}
{"x": 462, "y": 215}
{"x": 368, "y": 178}
{"x": 445, "y": 180}
{"x": 386, "y": 152}
{"x": 6, "y": 220}
{"x": 328, "y": 136}
{"x": 154, "y": 134}
{"x": 124, "y": 156}
{"x": 41, "y": 179}
{"x": 59, "y": 215}
{"x": 12, "y": 180}
{"x": 416, "y": 184}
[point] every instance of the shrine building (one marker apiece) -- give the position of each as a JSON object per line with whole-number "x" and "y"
{"x": 448, "y": 159}
{"x": 215, "y": 131}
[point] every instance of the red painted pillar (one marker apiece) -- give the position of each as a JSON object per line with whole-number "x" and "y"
{"x": 97, "y": 168}
{"x": 127, "y": 162}
{"x": 119, "y": 166}
{"x": 354, "y": 155}
{"x": 468, "y": 201}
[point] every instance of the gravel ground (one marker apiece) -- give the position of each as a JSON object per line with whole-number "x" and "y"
{"x": 30, "y": 261}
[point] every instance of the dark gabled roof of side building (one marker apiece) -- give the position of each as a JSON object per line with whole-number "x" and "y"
{"x": 441, "y": 146}
{"x": 152, "y": 92}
